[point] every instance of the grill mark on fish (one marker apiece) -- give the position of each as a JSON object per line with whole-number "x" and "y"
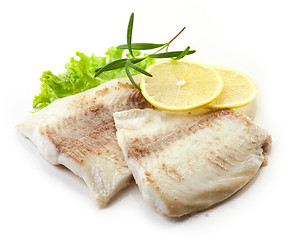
{"x": 142, "y": 148}
{"x": 224, "y": 161}
{"x": 216, "y": 162}
{"x": 88, "y": 132}
{"x": 220, "y": 162}
{"x": 172, "y": 173}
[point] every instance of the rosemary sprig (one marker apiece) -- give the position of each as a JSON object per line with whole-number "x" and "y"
{"x": 130, "y": 62}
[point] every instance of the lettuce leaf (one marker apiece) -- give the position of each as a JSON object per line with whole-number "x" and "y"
{"x": 79, "y": 76}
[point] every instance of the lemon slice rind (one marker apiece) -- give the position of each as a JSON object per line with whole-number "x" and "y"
{"x": 235, "y": 104}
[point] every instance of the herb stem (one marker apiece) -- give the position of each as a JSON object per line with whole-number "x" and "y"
{"x": 168, "y": 43}
{"x": 177, "y": 35}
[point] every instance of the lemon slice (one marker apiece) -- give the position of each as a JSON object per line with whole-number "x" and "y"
{"x": 180, "y": 85}
{"x": 238, "y": 90}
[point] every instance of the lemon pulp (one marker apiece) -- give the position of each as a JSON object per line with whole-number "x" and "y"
{"x": 180, "y": 85}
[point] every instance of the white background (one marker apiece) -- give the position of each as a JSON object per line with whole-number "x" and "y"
{"x": 41, "y": 201}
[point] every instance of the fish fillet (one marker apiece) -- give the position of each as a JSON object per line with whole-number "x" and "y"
{"x": 184, "y": 164}
{"x": 79, "y": 133}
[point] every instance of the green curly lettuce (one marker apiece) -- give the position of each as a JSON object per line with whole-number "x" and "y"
{"x": 79, "y": 76}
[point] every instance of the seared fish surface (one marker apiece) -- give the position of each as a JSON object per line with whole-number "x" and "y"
{"x": 79, "y": 133}
{"x": 184, "y": 164}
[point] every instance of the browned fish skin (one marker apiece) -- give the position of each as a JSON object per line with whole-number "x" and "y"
{"x": 79, "y": 132}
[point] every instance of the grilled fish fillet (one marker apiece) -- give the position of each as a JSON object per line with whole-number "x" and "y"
{"x": 184, "y": 164}
{"x": 79, "y": 133}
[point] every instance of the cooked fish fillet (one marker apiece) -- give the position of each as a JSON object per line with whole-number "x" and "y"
{"x": 184, "y": 164}
{"x": 79, "y": 133}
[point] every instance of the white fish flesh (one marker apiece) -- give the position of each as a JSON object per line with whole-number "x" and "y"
{"x": 79, "y": 133}
{"x": 184, "y": 164}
